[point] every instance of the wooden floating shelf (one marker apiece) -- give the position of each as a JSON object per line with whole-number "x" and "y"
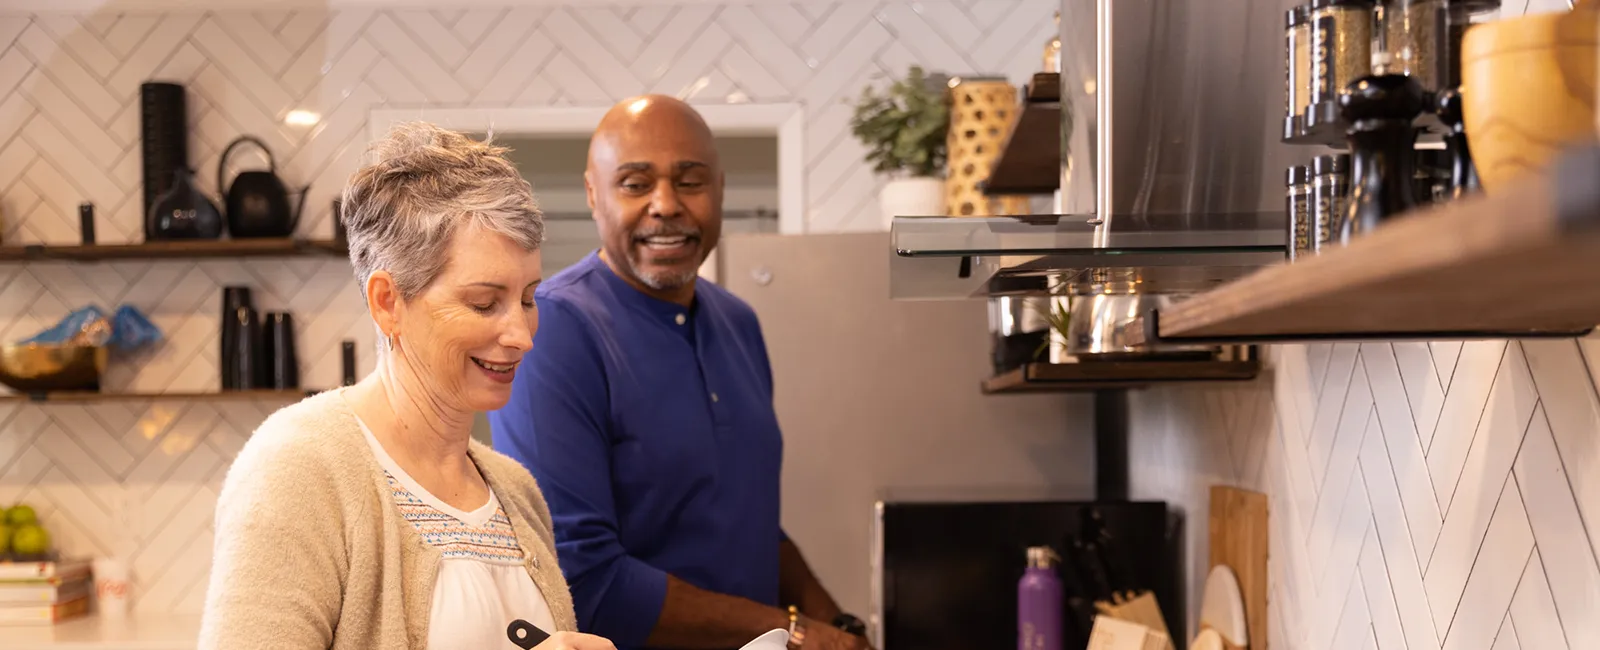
{"x": 1099, "y": 375}
{"x": 93, "y": 396}
{"x": 175, "y": 249}
{"x": 1522, "y": 262}
{"x": 1030, "y": 162}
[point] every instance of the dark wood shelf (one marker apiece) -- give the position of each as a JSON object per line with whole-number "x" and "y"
{"x": 176, "y": 249}
{"x": 1030, "y": 162}
{"x": 93, "y": 396}
{"x": 1521, "y": 262}
{"x": 1098, "y": 375}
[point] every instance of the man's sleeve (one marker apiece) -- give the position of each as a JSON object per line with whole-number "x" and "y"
{"x": 557, "y": 425}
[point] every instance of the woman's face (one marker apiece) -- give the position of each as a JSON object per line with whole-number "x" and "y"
{"x": 466, "y": 333}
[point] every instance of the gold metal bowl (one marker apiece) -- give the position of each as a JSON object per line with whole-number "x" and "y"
{"x": 35, "y": 367}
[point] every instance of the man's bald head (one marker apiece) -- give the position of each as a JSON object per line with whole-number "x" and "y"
{"x": 655, "y": 181}
{"x": 658, "y": 117}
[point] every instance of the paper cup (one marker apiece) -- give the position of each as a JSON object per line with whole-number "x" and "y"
{"x": 112, "y": 589}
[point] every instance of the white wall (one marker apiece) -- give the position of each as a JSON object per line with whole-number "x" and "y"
{"x": 139, "y": 478}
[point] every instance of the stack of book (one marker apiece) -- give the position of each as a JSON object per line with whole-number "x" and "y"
{"x": 44, "y": 593}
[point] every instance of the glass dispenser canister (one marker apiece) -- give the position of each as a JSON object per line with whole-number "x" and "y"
{"x": 1297, "y": 68}
{"x": 1330, "y": 191}
{"x": 1415, "y": 41}
{"x": 1341, "y": 49}
{"x": 1459, "y": 15}
{"x": 1297, "y": 199}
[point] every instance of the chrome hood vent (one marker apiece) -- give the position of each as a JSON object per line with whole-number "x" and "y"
{"x": 1171, "y": 169}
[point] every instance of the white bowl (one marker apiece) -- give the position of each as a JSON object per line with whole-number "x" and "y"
{"x": 774, "y": 640}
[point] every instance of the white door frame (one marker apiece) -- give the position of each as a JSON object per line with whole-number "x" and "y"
{"x": 785, "y": 121}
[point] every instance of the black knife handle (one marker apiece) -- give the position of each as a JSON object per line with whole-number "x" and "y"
{"x": 524, "y": 635}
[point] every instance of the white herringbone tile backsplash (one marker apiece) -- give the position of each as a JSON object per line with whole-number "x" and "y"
{"x": 139, "y": 478}
{"x": 1424, "y": 496}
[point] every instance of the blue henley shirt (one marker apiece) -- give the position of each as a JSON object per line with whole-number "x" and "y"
{"x": 651, "y": 432}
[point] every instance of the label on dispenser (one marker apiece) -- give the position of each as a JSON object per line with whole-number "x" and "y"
{"x": 1323, "y": 57}
{"x": 1302, "y": 223}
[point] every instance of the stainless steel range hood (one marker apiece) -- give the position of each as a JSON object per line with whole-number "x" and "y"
{"x": 1171, "y": 167}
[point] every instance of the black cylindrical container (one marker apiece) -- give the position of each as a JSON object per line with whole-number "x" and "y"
{"x": 233, "y": 299}
{"x": 246, "y": 352}
{"x": 280, "y": 367}
{"x": 163, "y": 139}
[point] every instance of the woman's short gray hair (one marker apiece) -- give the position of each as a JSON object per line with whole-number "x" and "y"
{"x": 423, "y": 183}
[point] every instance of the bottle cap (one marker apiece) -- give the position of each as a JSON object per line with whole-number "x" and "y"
{"x": 1330, "y": 164}
{"x": 1042, "y": 557}
{"x": 1298, "y": 175}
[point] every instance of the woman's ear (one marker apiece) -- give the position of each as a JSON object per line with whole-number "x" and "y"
{"x": 383, "y": 302}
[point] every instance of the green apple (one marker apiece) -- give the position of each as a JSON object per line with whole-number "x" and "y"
{"x": 31, "y": 539}
{"x": 21, "y": 514}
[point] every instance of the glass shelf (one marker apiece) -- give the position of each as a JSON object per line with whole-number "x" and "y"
{"x": 971, "y": 257}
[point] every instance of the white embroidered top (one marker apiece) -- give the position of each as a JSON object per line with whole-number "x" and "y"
{"x": 482, "y": 585}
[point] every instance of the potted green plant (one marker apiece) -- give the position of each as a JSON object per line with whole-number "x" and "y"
{"x": 904, "y": 127}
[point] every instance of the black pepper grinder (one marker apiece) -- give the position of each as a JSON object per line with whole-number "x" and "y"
{"x": 1380, "y": 110}
{"x": 1463, "y": 174}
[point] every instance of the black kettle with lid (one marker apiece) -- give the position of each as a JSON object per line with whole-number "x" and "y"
{"x": 257, "y": 203}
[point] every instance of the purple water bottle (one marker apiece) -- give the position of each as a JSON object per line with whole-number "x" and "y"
{"x": 1039, "y": 602}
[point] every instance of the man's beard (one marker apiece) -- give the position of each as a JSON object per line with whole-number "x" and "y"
{"x": 665, "y": 279}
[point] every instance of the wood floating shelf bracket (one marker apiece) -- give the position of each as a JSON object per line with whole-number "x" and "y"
{"x": 1520, "y": 261}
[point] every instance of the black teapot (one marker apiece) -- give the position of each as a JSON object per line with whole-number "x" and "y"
{"x": 257, "y": 203}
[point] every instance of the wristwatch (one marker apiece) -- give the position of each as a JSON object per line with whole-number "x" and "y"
{"x": 850, "y": 624}
{"x": 797, "y": 629}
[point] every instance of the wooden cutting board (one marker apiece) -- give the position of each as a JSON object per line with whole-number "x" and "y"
{"x": 1239, "y": 541}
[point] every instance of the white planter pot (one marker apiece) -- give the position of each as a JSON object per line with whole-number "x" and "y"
{"x": 911, "y": 197}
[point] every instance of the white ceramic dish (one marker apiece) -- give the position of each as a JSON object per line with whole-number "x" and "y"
{"x": 774, "y": 640}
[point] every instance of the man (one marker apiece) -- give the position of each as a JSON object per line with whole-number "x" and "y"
{"x": 645, "y": 412}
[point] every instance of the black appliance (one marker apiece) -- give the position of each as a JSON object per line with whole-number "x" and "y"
{"x": 949, "y": 571}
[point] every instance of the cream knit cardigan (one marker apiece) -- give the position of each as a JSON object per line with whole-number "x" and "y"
{"x": 310, "y": 551}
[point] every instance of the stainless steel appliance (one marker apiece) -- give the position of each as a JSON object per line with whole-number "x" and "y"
{"x": 1170, "y": 126}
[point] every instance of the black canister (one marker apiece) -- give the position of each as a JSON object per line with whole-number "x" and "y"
{"x": 246, "y": 352}
{"x": 233, "y": 299}
{"x": 280, "y": 367}
{"x": 163, "y": 140}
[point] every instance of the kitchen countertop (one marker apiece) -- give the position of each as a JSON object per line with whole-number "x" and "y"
{"x": 137, "y": 632}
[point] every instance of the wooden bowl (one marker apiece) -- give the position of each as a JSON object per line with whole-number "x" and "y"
{"x": 1528, "y": 90}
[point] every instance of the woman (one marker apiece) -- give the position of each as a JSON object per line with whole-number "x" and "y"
{"x": 367, "y": 517}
